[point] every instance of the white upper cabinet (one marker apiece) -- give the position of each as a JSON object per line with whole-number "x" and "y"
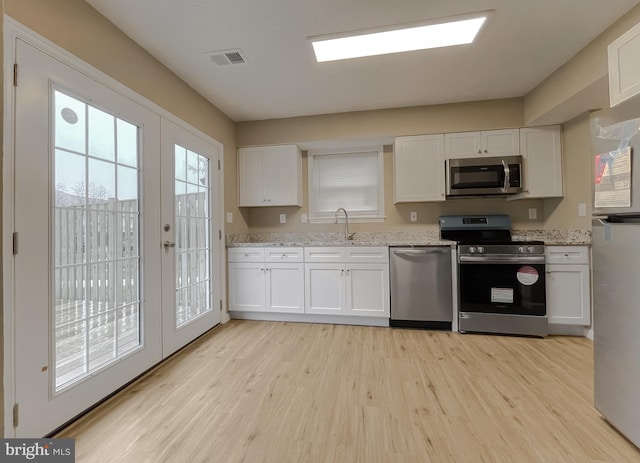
{"x": 541, "y": 149}
{"x": 624, "y": 66}
{"x": 270, "y": 176}
{"x": 418, "y": 169}
{"x": 479, "y": 144}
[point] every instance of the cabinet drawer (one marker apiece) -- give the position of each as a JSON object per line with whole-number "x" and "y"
{"x": 283, "y": 254}
{"x": 567, "y": 254}
{"x": 245, "y": 254}
{"x": 366, "y": 254}
{"x": 320, "y": 254}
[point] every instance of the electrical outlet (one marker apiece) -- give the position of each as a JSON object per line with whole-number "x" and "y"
{"x": 229, "y": 217}
{"x": 582, "y": 209}
{"x": 533, "y": 213}
{"x": 413, "y": 216}
{"x": 303, "y": 218}
{"x": 283, "y": 218}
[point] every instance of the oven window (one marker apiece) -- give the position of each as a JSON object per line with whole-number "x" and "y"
{"x": 503, "y": 288}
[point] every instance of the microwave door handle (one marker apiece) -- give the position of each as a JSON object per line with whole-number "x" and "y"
{"x": 507, "y": 175}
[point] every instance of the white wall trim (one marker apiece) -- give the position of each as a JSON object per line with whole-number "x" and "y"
{"x": 13, "y": 31}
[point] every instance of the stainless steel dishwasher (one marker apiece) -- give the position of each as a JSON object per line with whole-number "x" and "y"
{"x": 420, "y": 286}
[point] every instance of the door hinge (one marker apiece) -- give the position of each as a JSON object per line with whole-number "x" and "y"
{"x": 220, "y": 305}
{"x": 219, "y": 234}
{"x": 15, "y": 74}
{"x": 15, "y": 243}
{"x": 16, "y": 412}
{"x": 218, "y": 164}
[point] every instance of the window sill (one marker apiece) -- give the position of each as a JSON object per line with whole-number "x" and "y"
{"x": 372, "y": 219}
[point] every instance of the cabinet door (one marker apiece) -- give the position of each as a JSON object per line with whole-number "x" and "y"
{"x": 324, "y": 289}
{"x": 501, "y": 142}
{"x": 568, "y": 294}
{"x": 283, "y": 176}
{"x": 250, "y": 177}
{"x": 368, "y": 290}
{"x": 462, "y": 145}
{"x": 246, "y": 287}
{"x": 418, "y": 169}
{"x": 541, "y": 150}
{"x": 285, "y": 288}
{"x": 624, "y": 67}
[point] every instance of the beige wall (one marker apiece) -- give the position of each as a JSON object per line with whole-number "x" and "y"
{"x": 552, "y": 213}
{"x": 459, "y": 117}
{"x": 78, "y": 28}
{"x": 581, "y": 84}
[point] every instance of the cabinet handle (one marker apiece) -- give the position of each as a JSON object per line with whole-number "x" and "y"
{"x": 342, "y": 271}
{"x": 485, "y": 151}
{"x": 479, "y": 151}
{"x": 348, "y": 270}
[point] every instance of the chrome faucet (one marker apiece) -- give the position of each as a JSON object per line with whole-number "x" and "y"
{"x": 347, "y": 235}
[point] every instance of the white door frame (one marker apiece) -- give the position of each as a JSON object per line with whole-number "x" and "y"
{"x": 13, "y": 30}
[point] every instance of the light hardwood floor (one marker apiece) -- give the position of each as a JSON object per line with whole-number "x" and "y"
{"x": 285, "y": 392}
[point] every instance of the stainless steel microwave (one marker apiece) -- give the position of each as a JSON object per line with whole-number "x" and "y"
{"x": 484, "y": 176}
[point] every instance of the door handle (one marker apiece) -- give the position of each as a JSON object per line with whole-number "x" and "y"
{"x": 507, "y": 175}
{"x": 169, "y": 244}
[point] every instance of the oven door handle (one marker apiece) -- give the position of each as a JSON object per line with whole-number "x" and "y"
{"x": 501, "y": 259}
{"x": 507, "y": 176}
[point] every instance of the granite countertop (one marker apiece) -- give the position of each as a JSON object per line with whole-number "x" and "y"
{"x": 402, "y": 238}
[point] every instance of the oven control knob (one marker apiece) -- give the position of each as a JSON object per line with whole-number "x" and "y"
{"x": 530, "y": 249}
{"x": 472, "y": 250}
{"x": 480, "y": 250}
{"x": 521, "y": 249}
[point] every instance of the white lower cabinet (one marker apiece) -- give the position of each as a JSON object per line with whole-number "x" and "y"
{"x": 272, "y": 280}
{"x": 247, "y": 286}
{"x": 334, "y": 281}
{"x": 285, "y": 287}
{"x": 325, "y": 289}
{"x": 347, "y": 281}
{"x": 367, "y": 291}
{"x": 568, "y": 285}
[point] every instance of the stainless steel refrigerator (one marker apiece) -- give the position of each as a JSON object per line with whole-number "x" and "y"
{"x": 615, "y": 137}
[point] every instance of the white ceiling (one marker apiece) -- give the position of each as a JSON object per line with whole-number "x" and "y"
{"x": 524, "y": 42}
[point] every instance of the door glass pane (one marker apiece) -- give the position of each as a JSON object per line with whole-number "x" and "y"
{"x": 101, "y": 134}
{"x": 193, "y": 279}
{"x": 96, "y": 221}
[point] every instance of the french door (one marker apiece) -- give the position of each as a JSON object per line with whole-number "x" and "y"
{"x": 190, "y": 284}
{"x": 114, "y": 211}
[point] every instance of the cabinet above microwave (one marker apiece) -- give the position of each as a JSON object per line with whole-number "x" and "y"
{"x": 419, "y": 163}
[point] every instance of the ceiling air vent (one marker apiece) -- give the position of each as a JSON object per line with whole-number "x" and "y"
{"x": 227, "y": 57}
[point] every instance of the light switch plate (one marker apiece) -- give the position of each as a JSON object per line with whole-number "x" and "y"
{"x": 283, "y": 218}
{"x": 582, "y": 209}
{"x": 229, "y": 217}
{"x": 413, "y": 216}
{"x": 533, "y": 213}
{"x": 303, "y": 218}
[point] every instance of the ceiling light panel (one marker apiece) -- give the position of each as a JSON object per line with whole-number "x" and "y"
{"x": 445, "y": 33}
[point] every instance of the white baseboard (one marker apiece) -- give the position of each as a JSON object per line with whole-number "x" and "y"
{"x": 570, "y": 330}
{"x": 310, "y": 318}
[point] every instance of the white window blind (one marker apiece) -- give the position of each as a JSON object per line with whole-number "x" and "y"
{"x": 352, "y": 180}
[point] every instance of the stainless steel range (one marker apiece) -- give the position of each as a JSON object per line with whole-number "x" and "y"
{"x": 501, "y": 282}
